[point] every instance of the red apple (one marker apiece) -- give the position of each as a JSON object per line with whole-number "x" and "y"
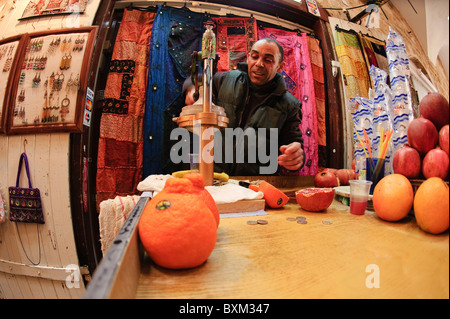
{"x": 443, "y": 138}
{"x": 326, "y": 179}
{"x": 407, "y": 162}
{"x": 434, "y": 107}
{"x": 422, "y": 135}
{"x": 435, "y": 164}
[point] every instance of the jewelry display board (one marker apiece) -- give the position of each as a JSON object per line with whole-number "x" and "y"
{"x": 9, "y": 52}
{"x": 50, "y": 82}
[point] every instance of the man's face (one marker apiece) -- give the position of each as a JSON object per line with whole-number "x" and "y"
{"x": 263, "y": 62}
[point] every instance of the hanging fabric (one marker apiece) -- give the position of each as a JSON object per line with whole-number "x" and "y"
{"x": 299, "y": 79}
{"x": 316, "y": 55}
{"x": 119, "y": 163}
{"x": 374, "y": 52}
{"x": 353, "y": 64}
{"x": 235, "y": 38}
{"x": 177, "y": 33}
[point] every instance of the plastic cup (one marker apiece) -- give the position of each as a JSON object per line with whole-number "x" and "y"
{"x": 359, "y": 195}
{"x": 193, "y": 162}
{"x": 374, "y": 176}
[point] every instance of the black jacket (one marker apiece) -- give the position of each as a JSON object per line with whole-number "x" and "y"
{"x": 270, "y": 107}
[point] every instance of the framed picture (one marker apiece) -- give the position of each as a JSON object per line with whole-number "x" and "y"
{"x": 38, "y": 8}
{"x": 49, "y": 86}
{"x": 9, "y": 53}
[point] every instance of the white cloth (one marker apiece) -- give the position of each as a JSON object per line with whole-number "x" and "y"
{"x": 153, "y": 183}
{"x": 113, "y": 214}
{"x": 230, "y": 193}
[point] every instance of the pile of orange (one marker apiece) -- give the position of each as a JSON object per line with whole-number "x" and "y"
{"x": 177, "y": 228}
{"x": 393, "y": 198}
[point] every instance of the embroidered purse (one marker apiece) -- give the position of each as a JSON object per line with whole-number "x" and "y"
{"x": 25, "y": 203}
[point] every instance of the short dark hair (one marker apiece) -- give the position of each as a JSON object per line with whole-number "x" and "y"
{"x": 280, "y": 48}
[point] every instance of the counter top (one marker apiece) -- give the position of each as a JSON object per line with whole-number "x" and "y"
{"x": 351, "y": 257}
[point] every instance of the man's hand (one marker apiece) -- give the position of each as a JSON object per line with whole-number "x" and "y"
{"x": 292, "y": 156}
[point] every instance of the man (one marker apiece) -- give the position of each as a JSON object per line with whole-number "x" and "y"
{"x": 255, "y": 96}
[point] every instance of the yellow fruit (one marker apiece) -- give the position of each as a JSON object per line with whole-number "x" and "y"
{"x": 431, "y": 205}
{"x": 393, "y": 197}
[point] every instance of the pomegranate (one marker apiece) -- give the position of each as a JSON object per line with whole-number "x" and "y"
{"x": 422, "y": 135}
{"x": 443, "y": 138}
{"x": 326, "y": 179}
{"x": 434, "y": 107}
{"x": 314, "y": 199}
{"x": 435, "y": 164}
{"x": 344, "y": 176}
{"x": 407, "y": 162}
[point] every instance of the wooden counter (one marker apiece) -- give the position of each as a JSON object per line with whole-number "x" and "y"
{"x": 284, "y": 259}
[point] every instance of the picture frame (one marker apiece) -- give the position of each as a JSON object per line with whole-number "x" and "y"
{"x": 50, "y": 81}
{"x": 39, "y": 8}
{"x": 10, "y": 50}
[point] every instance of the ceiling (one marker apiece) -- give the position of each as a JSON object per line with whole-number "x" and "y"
{"x": 431, "y": 26}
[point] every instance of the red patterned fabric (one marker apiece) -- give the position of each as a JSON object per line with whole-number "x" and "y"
{"x": 315, "y": 53}
{"x": 234, "y": 38}
{"x": 119, "y": 163}
{"x": 298, "y": 74}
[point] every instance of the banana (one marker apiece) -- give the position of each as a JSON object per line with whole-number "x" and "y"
{"x": 220, "y": 176}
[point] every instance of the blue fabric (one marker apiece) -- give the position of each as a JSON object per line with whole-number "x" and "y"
{"x": 176, "y": 34}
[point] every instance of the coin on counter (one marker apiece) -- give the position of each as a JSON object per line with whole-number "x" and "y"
{"x": 327, "y": 222}
{"x": 302, "y": 221}
{"x": 262, "y": 222}
{"x": 252, "y": 222}
{"x": 301, "y": 217}
{"x": 291, "y": 219}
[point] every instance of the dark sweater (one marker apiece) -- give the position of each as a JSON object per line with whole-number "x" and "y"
{"x": 250, "y": 106}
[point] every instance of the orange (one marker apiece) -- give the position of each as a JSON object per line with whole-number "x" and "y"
{"x": 199, "y": 182}
{"x": 431, "y": 205}
{"x": 272, "y": 195}
{"x": 176, "y": 227}
{"x": 393, "y": 197}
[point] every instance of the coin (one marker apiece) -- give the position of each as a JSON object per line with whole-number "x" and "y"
{"x": 327, "y": 222}
{"x": 252, "y": 222}
{"x": 262, "y": 222}
{"x": 291, "y": 219}
{"x": 301, "y": 221}
{"x": 301, "y": 217}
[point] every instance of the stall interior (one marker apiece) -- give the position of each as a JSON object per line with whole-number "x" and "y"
{"x": 147, "y": 59}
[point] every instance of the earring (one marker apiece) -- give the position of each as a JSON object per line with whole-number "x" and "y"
{"x": 63, "y": 62}
{"x": 21, "y": 96}
{"x": 64, "y": 108}
{"x": 68, "y": 61}
{"x": 36, "y": 80}
{"x": 22, "y": 78}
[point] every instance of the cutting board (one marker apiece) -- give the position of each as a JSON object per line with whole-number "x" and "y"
{"x": 242, "y": 206}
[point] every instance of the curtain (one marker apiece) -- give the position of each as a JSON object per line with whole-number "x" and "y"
{"x": 119, "y": 163}
{"x": 353, "y": 64}
{"x": 298, "y": 74}
{"x": 374, "y": 53}
{"x": 315, "y": 53}
{"x": 177, "y": 33}
{"x": 235, "y": 38}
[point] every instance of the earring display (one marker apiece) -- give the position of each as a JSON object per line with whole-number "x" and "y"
{"x": 7, "y": 55}
{"x": 51, "y": 63}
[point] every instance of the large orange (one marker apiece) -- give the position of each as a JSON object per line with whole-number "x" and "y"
{"x": 393, "y": 197}
{"x": 431, "y": 205}
{"x": 176, "y": 227}
{"x": 199, "y": 182}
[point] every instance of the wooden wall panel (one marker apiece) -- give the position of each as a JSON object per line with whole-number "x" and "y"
{"x": 48, "y": 156}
